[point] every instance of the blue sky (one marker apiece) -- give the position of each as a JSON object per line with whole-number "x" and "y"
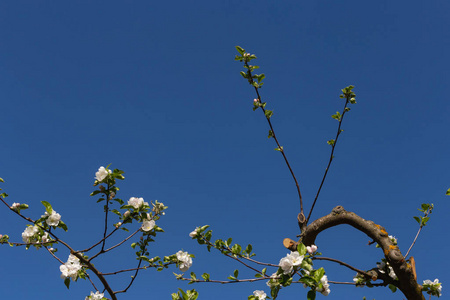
{"x": 153, "y": 89}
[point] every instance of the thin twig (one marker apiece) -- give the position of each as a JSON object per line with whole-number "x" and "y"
{"x": 140, "y": 268}
{"x": 96, "y": 244}
{"x": 104, "y": 251}
{"x": 343, "y": 264}
{"x": 333, "y": 146}
{"x": 225, "y": 281}
{"x": 87, "y": 275}
{"x": 418, "y": 232}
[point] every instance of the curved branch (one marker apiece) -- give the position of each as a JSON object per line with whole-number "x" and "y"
{"x": 405, "y": 272}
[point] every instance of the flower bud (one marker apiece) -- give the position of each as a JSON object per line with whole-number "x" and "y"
{"x": 126, "y": 214}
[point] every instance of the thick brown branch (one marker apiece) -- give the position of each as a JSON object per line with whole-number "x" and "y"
{"x": 404, "y": 271}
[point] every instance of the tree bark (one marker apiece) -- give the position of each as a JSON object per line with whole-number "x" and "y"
{"x": 405, "y": 271}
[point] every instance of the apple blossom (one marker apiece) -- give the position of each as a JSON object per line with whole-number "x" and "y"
{"x": 53, "y": 219}
{"x": 325, "y": 287}
{"x": 185, "y": 259}
{"x": 15, "y": 205}
{"x": 137, "y": 202}
{"x": 148, "y": 225}
{"x": 433, "y": 288}
{"x": 287, "y": 263}
{"x": 194, "y": 233}
{"x": 96, "y": 296}
{"x": 29, "y": 232}
{"x": 311, "y": 249}
{"x": 260, "y": 294}
{"x": 70, "y": 268}
{"x": 101, "y": 174}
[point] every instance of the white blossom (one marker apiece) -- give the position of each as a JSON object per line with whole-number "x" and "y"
{"x": 433, "y": 287}
{"x": 194, "y": 233}
{"x": 260, "y": 294}
{"x": 311, "y": 249}
{"x": 185, "y": 259}
{"x": 70, "y": 268}
{"x": 15, "y": 205}
{"x": 101, "y": 174}
{"x": 53, "y": 219}
{"x": 148, "y": 225}
{"x": 29, "y": 232}
{"x": 45, "y": 237}
{"x": 325, "y": 287}
{"x": 287, "y": 263}
{"x": 137, "y": 202}
{"x": 96, "y": 296}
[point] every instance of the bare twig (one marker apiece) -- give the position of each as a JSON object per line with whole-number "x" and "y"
{"x": 418, "y": 232}
{"x": 250, "y": 78}
{"x": 343, "y": 264}
{"x": 333, "y": 146}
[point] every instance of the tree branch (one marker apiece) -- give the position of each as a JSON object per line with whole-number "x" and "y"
{"x": 404, "y": 271}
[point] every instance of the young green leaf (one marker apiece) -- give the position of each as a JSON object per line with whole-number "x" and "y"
{"x": 48, "y": 207}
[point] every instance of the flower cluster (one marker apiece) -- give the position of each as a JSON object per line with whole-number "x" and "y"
{"x": 102, "y": 173}
{"x": 30, "y": 234}
{"x": 96, "y": 296}
{"x": 260, "y": 295}
{"x": 324, "y": 287}
{"x": 432, "y": 287}
{"x": 70, "y": 268}
{"x": 290, "y": 261}
{"x": 185, "y": 260}
{"x": 137, "y": 202}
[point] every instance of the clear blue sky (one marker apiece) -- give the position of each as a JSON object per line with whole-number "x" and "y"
{"x": 152, "y": 87}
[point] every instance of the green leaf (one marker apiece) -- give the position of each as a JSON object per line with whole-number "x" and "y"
{"x": 236, "y": 249}
{"x": 257, "y": 275}
{"x": 205, "y": 276}
{"x": 243, "y": 74}
{"x": 301, "y": 249}
{"x": 393, "y": 288}
{"x": 331, "y": 142}
{"x": 236, "y": 273}
{"x": 240, "y": 50}
{"x": 3, "y": 195}
{"x": 270, "y": 134}
{"x": 279, "y": 148}
{"x": 1, "y": 180}
{"x": 67, "y": 282}
{"x": 48, "y": 207}
{"x": 311, "y": 295}
{"x": 448, "y": 192}
{"x": 424, "y": 221}
{"x": 417, "y": 219}
{"x": 62, "y": 225}
{"x": 268, "y": 114}
{"x": 337, "y": 116}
